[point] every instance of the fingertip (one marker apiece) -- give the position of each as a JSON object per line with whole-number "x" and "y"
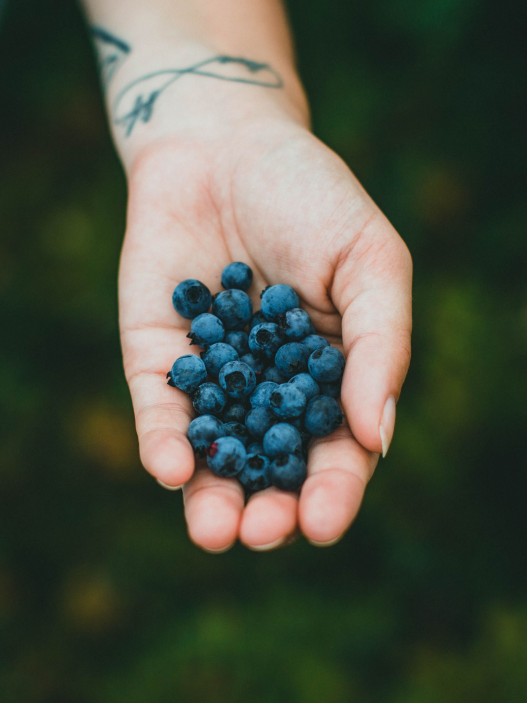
{"x": 269, "y": 518}
{"x": 168, "y": 456}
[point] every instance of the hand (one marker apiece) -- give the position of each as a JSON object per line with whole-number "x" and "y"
{"x": 274, "y": 197}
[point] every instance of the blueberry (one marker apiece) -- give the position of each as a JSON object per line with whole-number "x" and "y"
{"x": 323, "y": 415}
{"x": 258, "y": 365}
{"x": 237, "y": 275}
{"x": 262, "y": 393}
{"x": 237, "y": 339}
{"x": 256, "y": 319}
{"x": 314, "y": 342}
{"x": 288, "y": 472}
{"x": 277, "y": 299}
{"x": 255, "y": 475}
{"x": 235, "y": 412}
{"x": 209, "y": 398}
{"x": 305, "y": 383}
{"x": 217, "y": 355}
{"x": 187, "y": 373}
{"x": 206, "y": 329}
{"x": 295, "y": 324}
{"x": 226, "y": 457}
{"x": 332, "y": 389}
{"x": 203, "y": 431}
{"x": 273, "y": 374}
{"x": 255, "y": 448}
{"x": 281, "y": 438}
{"x": 259, "y": 420}
{"x": 233, "y": 307}
{"x": 237, "y": 379}
{"x": 326, "y": 364}
{"x": 291, "y": 358}
{"x": 265, "y": 339}
{"x": 190, "y": 298}
{"x": 239, "y": 431}
{"x": 287, "y": 401}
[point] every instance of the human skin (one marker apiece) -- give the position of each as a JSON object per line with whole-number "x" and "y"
{"x": 222, "y": 168}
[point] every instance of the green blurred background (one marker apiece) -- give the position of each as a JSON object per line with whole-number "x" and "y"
{"x": 102, "y": 597}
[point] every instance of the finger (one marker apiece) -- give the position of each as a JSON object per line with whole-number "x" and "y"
{"x": 338, "y": 472}
{"x": 372, "y": 291}
{"x": 269, "y": 518}
{"x": 213, "y": 509}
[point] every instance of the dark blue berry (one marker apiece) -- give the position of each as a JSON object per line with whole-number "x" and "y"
{"x": 217, "y": 355}
{"x": 326, "y": 364}
{"x": 331, "y": 389}
{"x": 237, "y": 379}
{"x": 237, "y": 339}
{"x": 323, "y": 415}
{"x": 235, "y": 412}
{"x": 277, "y": 299}
{"x": 305, "y": 383}
{"x": 314, "y": 342}
{"x": 233, "y": 307}
{"x": 256, "y": 363}
{"x": 255, "y": 448}
{"x": 265, "y": 339}
{"x": 187, "y": 373}
{"x": 273, "y": 374}
{"x": 280, "y": 439}
{"x": 256, "y": 319}
{"x": 238, "y": 430}
{"x": 237, "y": 275}
{"x": 226, "y": 456}
{"x": 259, "y": 420}
{"x": 288, "y": 472}
{"x": 255, "y": 475}
{"x": 262, "y": 393}
{"x": 209, "y": 398}
{"x": 291, "y": 358}
{"x": 287, "y": 401}
{"x": 206, "y": 329}
{"x": 295, "y": 324}
{"x": 203, "y": 431}
{"x": 190, "y": 298}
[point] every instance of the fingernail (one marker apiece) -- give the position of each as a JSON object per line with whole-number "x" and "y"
{"x": 169, "y": 486}
{"x": 267, "y": 546}
{"x": 386, "y": 429}
{"x": 326, "y": 543}
{"x": 217, "y": 551}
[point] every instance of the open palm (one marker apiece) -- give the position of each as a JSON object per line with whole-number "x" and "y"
{"x": 283, "y": 203}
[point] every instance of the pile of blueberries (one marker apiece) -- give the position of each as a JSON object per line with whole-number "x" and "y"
{"x": 265, "y": 383}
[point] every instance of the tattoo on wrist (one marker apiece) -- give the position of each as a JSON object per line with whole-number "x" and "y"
{"x": 112, "y": 51}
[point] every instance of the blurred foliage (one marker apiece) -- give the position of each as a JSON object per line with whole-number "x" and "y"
{"x": 102, "y": 597}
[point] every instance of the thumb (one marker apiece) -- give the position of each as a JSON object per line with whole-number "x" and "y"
{"x": 372, "y": 290}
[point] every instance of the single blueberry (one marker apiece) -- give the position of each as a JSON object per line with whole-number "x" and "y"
{"x": 255, "y": 448}
{"x": 265, "y": 339}
{"x": 226, "y": 456}
{"x": 273, "y": 374}
{"x": 291, "y": 359}
{"x": 187, "y": 373}
{"x": 288, "y": 472}
{"x": 255, "y": 475}
{"x": 287, "y": 401}
{"x": 262, "y": 393}
{"x": 256, "y": 363}
{"x": 237, "y": 379}
{"x": 233, "y": 307}
{"x": 190, "y": 298}
{"x": 331, "y": 389}
{"x": 237, "y": 339}
{"x": 235, "y": 412}
{"x": 281, "y": 438}
{"x": 323, "y": 415}
{"x": 237, "y": 275}
{"x": 326, "y": 364}
{"x": 314, "y": 342}
{"x": 305, "y": 383}
{"x": 238, "y": 430}
{"x": 204, "y": 430}
{"x": 209, "y": 399}
{"x": 259, "y": 420}
{"x": 256, "y": 319}
{"x": 295, "y": 324}
{"x": 206, "y": 329}
{"x": 217, "y": 355}
{"x": 277, "y": 299}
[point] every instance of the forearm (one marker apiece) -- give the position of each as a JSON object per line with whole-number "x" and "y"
{"x": 173, "y": 68}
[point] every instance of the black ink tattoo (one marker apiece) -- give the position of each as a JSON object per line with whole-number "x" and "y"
{"x": 112, "y": 52}
{"x": 132, "y": 105}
